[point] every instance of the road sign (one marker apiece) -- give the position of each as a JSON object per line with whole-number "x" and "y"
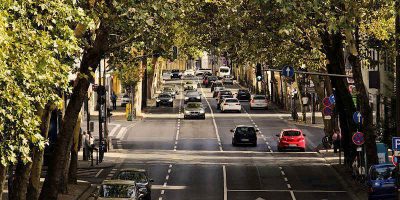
{"x": 327, "y": 111}
{"x": 394, "y": 160}
{"x": 357, "y": 117}
{"x": 358, "y": 138}
{"x": 332, "y": 99}
{"x": 288, "y": 71}
{"x": 327, "y": 117}
{"x": 396, "y": 143}
{"x": 326, "y": 102}
{"x": 352, "y": 90}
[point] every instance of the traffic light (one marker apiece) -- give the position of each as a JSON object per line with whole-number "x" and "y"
{"x": 258, "y": 72}
{"x": 174, "y": 52}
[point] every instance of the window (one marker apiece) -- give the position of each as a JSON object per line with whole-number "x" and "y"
{"x": 383, "y": 173}
{"x": 194, "y": 105}
{"x": 232, "y": 101}
{"x": 245, "y": 130}
{"x": 259, "y": 97}
{"x": 291, "y": 133}
{"x": 224, "y": 70}
{"x": 117, "y": 191}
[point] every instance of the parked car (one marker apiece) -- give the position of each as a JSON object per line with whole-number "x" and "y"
{"x": 141, "y": 179}
{"x": 192, "y": 96}
{"x": 243, "y": 134}
{"x": 216, "y": 90}
{"x": 216, "y": 84}
{"x": 118, "y": 189}
{"x": 381, "y": 182}
{"x": 190, "y": 85}
{"x": 194, "y": 110}
{"x": 209, "y": 80}
{"x": 175, "y": 74}
{"x": 291, "y": 139}
{"x": 231, "y": 104}
{"x": 125, "y": 100}
{"x": 166, "y": 75}
{"x": 259, "y": 101}
{"x": 165, "y": 99}
{"x": 243, "y": 95}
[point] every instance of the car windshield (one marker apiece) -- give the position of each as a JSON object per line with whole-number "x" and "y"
{"x": 125, "y": 96}
{"x": 212, "y": 78}
{"x": 225, "y": 92}
{"x": 291, "y": 133}
{"x": 139, "y": 177}
{"x": 232, "y": 101}
{"x": 192, "y": 94}
{"x": 168, "y": 89}
{"x": 243, "y": 91}
{"x": 245, "y": 130}
{"x": 259, "y": 97}
{"x": 165, "y": 96}
{"x": 194, "y": 105}
{"x": 189, "y": 82}
{"x": 383, "y": 173}
{"x": 224, "y": 70}
{"x": 117, "y": 191}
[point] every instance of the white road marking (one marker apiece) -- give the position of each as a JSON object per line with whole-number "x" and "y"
{"x": 160, "y": 198}
{"x": 283, "y": 173}
{"x": 213, "y": 118}
{"x": 98, "y": 173}
{"x": 162, "y": 192}
{"x": 167, "y": 177}
{"x": 299, "y": 191}
{"x": 121, "y": 132}
{"x": 169, "y": 171}
{"x": 286, "y": 180}
{"x": 289, "y": 186}
{"x": 292, "y": 194}
{"x": 170, "y": 166}
{"x": 225, "y": 186}
{"x": 114, "y": 129}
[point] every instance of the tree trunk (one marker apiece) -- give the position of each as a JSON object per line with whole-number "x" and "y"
{"x": 365, "y": 108}
{"x": 144, "y": 83}
{"x": 73, "y": 166}
{"x": 90, "y": 60}
{"x": 333, "y": 49}
{"x": 3, "y": 173}
{"x": 63, "y": 187}
{"x": 21, "y": 179}
{"x": 37, "y": 158}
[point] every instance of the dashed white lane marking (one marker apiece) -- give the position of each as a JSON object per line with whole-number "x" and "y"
{"x": 169, "y": 171}
{"x": 98, "y": 173}
{"x": 160, "y": 198}
{"x": 170, "y": 166}
{"x": 289, "y": 186}
{"x": 213, "y": 119}
{"x": 286, "y": 180}
{"x": 165, "y": 184}
{"x": 283, "y": 173}
{"x": 292, "y": 194}
{"x": 162, "y": 192}
{"x": 225, "y": 185}
{"x": 167, "y": 177}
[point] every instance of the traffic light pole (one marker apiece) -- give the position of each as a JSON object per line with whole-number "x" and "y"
{"x": 100, "y": 117}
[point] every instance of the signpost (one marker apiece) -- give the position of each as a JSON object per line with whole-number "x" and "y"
{"x": 326, "y": 102}
{"x": 358, "y": 138}
{"x": 288, "y": 71}
{"x": 357, "y": 117}
{"x": 327, "y": 111}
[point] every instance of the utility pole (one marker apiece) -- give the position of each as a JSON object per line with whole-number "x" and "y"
{"x": 397, "y": 9}
{"x": 105, "y": 106}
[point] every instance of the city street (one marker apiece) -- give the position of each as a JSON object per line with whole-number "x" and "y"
{"x": 195, "y": 159}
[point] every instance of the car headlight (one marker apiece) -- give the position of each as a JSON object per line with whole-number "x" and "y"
{"x": 201, "y": 111}
{"x": 197, "y": 97}
{"x": 187, "y": 112}
{"x": 170, "y": 100}
{"x": 158, "y": 100}
{"x": 377, "y": 184}
{"x": 186, "y": 98}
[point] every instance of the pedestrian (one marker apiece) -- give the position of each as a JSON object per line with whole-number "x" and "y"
{"x": 114, "y": 100}
{"x": 91, "y": 145}
{"x": 85, "y": 145}
{"x": 336, "y": 140}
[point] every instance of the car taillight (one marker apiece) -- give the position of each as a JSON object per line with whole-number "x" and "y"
{"x": 238, "y": 104}
{"x": 225, "y": 104}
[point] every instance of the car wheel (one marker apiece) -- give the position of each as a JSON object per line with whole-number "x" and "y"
{"x": 239, "y": 111}
{"x": 171, "y": 105}
{"x": 233, "y": 143}
{"x": 255, "y": 144}
{"x": 279, "y": 149}
{"x": 204, "y": 117}
{"x": 303, "y": 150}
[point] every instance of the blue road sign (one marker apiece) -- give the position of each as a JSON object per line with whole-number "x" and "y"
{"x": 358, "y": 138}
{"x": 288, "y": 71}
{"x": 395, "y": 143}
{"x": 332, "y": 99}
{"x": 357, "y": 117}
{"x": 327, "y": 111}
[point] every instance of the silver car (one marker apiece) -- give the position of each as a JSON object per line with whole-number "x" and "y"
{"x": 194, "y": 110}
{"x": 118, "y": 189}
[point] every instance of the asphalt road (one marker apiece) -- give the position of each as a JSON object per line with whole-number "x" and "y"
{"x": 194, "y": 159}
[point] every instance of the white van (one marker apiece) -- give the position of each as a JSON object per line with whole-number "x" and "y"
{"x": 224, "y": 71}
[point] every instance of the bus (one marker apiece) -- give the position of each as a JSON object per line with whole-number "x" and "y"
{"x": 224, "y": 71}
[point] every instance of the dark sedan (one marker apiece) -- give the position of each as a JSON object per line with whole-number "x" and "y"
{"x": 175, "y": 74}
{"x": 243, "y": 95}
{"x": 165, "y": 99}
{"x": 244, "y": 135}
{"x": 141, "y": 178}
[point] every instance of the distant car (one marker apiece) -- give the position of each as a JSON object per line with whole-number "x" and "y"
{"x": 190, "y": 85}
{"x": 166, "y": 75}
{"x": 202, "y": 71}
{"x": 227, "y": 81}
{"x": 141, "y": 179}
{"x": 188, "y": 72}
{"x": 216, "y": 90}
{"x": 118, "y": 189}
{"x": 243, "y": 134}
{"x": 291, "y": 139}
{"x": 165, "y": 99}
{"x": 216, "y": 84}
{"x": 192, "y": 96}
{"x": 259, "y": 101}
{"x": 189, "y": 77}
{"x": 381, "y": 182}
{"x": 125, "y": 100}
{"x": 223, "y": 92}
{"x": 209, "y": 81}
{"x": 194, "y": 110}
{"x": 231, "y": 104}
{"x": 175, "y": 74}
{"x": 170, "y": 90}
{"x": 243, "y": 95}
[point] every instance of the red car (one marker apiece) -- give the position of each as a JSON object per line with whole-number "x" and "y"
{"x": 291, "y": 139}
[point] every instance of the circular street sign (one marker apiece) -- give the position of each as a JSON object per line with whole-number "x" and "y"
{"x": 288, "y": 71}
{"x": 327, "y": 111}
{"x": 394, "y": 160}
{"x": 352, "y": 90}
{"x": 326, "y": 102}
{"x": 332, "y": 99}
{"x": 357, "y": 117}
{"x": 358, "y": 138}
